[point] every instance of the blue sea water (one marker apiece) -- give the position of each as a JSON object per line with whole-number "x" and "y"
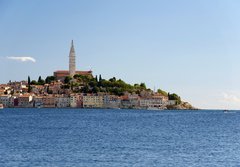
{"x": 81, "y": 137}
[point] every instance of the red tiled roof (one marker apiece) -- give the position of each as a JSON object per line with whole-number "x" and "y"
{"x": 67, "y": 72}
{"x": 64, "y": 73}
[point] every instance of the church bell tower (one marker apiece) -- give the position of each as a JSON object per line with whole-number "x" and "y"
{"x": 72, "y": 61}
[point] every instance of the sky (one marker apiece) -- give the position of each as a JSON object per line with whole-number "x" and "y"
{"x": 187, "y": 47}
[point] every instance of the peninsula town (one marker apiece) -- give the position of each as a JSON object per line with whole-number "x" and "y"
{"x": 80, "y": 89}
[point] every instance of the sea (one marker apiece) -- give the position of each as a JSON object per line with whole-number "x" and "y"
{"x": 112, "y": 138}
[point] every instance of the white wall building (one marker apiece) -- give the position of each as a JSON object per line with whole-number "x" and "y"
{"x": 4, "y": 99}
{"x": 151, "y": 103}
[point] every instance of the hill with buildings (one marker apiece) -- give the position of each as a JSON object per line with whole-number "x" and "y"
{"x": 79, "y": 89}
{"x": 85, "y": 91}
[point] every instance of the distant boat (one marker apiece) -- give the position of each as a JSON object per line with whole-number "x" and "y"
{"x": 225, "y": 111}
{"x": 1, "y": 106}
{"x": 228, "y": 111}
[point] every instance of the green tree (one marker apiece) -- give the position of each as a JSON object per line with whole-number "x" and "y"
{"x": 67, "y": 79}
{"x": 33, "y": 82}
{"x": 162, "y": 92}
{"x": 85, "y": 89}
{"x": 174, "y": 97}
{"x": 92, "y": 83}
{"x": 40, "y": 81}
{"x": 49, "y": 79}
{"x": 76, "y": 76}
{"x": 29, "y": 83}
{"x": 95, "y": 89}
{"x": 143, "y": 86}
{"x": 100, "y": 81}
{"x": 112, "y": 79}
{"x": 96, "y": 78}
{"x": 29, "y": 80}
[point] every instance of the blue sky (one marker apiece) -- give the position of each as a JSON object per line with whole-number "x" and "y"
{"x": 188, "y": 47}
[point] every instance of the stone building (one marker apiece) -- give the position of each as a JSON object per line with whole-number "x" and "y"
{"x": 61, "y": 74}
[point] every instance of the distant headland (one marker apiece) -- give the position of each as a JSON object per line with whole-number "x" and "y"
{"x": 80, "y": 89}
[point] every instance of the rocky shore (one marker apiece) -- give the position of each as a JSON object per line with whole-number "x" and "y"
{"x": 182, "y": 106}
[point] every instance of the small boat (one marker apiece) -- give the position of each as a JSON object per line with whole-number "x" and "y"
{"x": 225, "y": 111}
{"x": 229, "y": 111}
{"x": 1, "y": 106}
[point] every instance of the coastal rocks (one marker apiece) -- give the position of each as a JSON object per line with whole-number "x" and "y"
{"x": 182, "y": 106}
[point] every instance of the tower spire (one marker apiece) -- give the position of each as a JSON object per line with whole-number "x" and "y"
{"x": 72, "y": 62}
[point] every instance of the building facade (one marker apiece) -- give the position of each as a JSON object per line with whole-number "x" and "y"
{"x": 92, "y": 101}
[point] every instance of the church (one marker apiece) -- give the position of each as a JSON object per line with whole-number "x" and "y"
{"x": 61, "y": 74}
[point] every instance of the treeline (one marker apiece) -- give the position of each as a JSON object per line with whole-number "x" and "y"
{"x": 41, "y": 81}
{"x": 98, "y": 84}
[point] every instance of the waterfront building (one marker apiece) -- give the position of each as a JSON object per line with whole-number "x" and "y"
{"x": 156, "y": 101}
{"x": 61, "y": 74}
{"x": 92, "y": 101}
{"x": 126, "y": 103}
{"x": 111, "y": 101}
{"x": 4, "y": 99}
{"x": 38, "y": 101}
{"x": 130, "y": 101}
{"x": 164, "y": 98}
{"x": 25, "y": 100}
{"x": 172, "y": 102}
{"x": 48, "y": 101}
{"x": 151, "y": 103}
{"x": 11, "y": 101}
{"x": 76, "y": 100}
{"x": 62, "y": 101}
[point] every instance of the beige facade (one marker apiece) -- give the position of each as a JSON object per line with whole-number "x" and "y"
{"x": 48, "y": 101}
{"x": 25, "y": 100}
{"x": 156, "y": 102}
{"x": 2, "y": 91}
{"x": 62, "y": 101}
{"x": 76, "y": 101}
{"x": 92, "y": 101}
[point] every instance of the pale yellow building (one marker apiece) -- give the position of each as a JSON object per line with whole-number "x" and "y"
{"x": 92, "y": 101}
{"x": 48, "y": 101}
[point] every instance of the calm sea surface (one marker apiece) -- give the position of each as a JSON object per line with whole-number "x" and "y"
{"x": 79, "y": 137}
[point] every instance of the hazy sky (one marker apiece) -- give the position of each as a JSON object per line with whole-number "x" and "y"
{"x": 188, "y": 47}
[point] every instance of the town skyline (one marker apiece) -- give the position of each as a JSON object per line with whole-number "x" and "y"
{"x": 191, "y": 49}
